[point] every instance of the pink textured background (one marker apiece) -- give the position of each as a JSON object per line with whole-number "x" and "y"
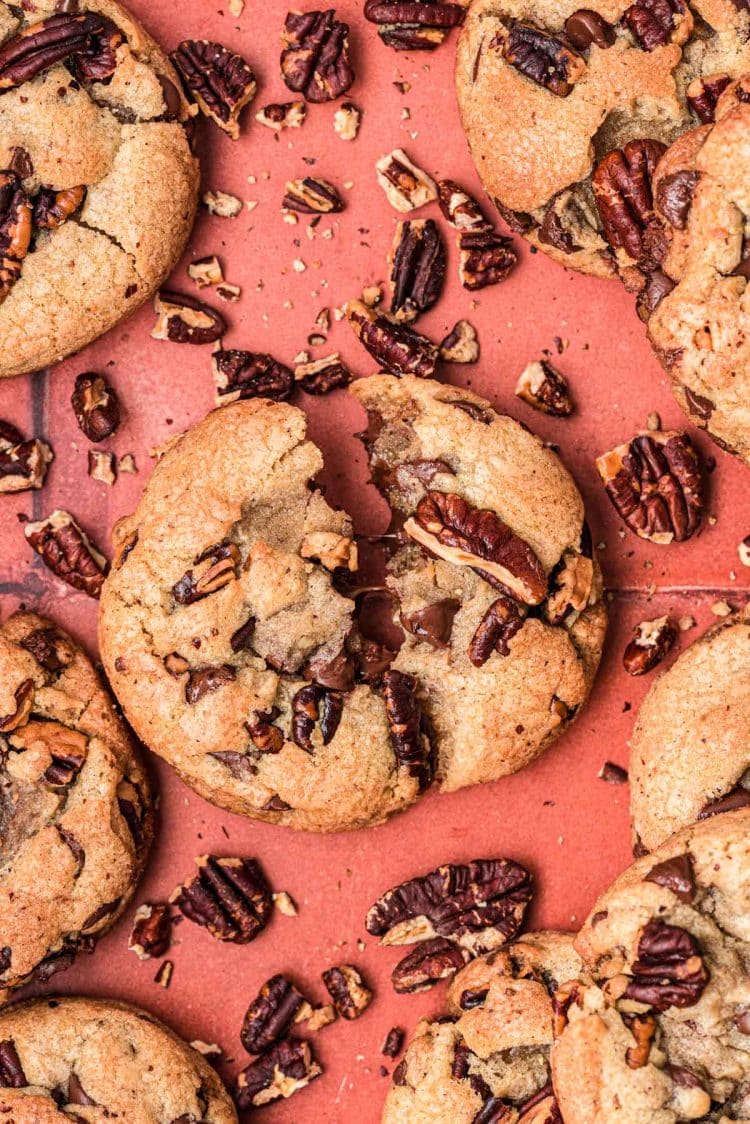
{"x": 556, "y": 816}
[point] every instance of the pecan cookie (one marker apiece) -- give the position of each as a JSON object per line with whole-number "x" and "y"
{"x": 95, "y": 169}
{"x": 690, "y": 751}
{"x": 488, "y": 1058}
{"x": 497, "y": 589}
{"x": 71, "y": 1059}
{"x": 76, "y": 818}
{"x": 229, "y": 647}
{"x": 567, "y": 108}
{"x": 658, "y": 1028}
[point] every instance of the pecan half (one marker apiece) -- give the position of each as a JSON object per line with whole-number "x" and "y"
{"x": 545, "y": 389}
{"x": 220, "y": 81}
{"x": 652, "y": 23}
{"x": 494, "y": 632}
{"x": 431, "y": 961}
{"x": 184, "y": 319}
{"x": 282, "y": 115}
{"x": 676, "y": 875}
{"x": 418, "y": 263}
{"x": 96, "y": 406}
{"x": 67, "y": 552}
{"x": 674, "y": 196}
{"x": 406, "y": 186}
{"x": 703, "y": 93}
{"x": 277, "y": 1006}
{"x": 585, "y": 28}
{"x": 151, "y": 933}
{"x": 12, "y": 1075}
{"x": 312, "y": 196}
{"x": 315, "y": 59}
{"x": 649, "y": 646}
{"x": 413, "y": 24}
{"x": 321, "y": 376}
{"x": 53, "y": 208}
{"x": 448, "y": 526}
{"x": 396, "y": 347}
{"x": 15, "y": 230}
{"x": 484, "y": 258}
{"x": 203, "y": 681}
{"x": 214, "y": 568}
{"x": 229, "y": 897}
{"x": 281, "y": 1071}
{"x": 23, "y": 464}
{"x": 460, "y": 209}
{"x": 87, "y": 42}
{"x": 669, "y": 971}
{"x": 623, "y": 191}
{"x": 350, "y": 994}
{"x": 655, "y": 485}
{"x": 433, "y": 623}
{"x": 266, "y": 737}
{"x": 542, "y": 57}
{"x": 478, "y": 905}
{"x": 315, "y": 706}
{"x": 249, "y": 374}
{"x": 410, "y": 735}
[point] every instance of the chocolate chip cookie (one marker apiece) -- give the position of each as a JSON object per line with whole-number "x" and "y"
{"x": 658, "y": 1028}
{"x": 71, "y": 1059}
{"x": 690, "y": 755}
{"x": 488, "y": 1058}
{"x": 76, "y": 816}
{"x": 229, "y": 647}
{"x": 95, "y": 170}
{"x": 495, "y": 583}
{"x": 567, "y": 110}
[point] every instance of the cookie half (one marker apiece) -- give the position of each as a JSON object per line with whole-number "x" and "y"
{"x": 96, "y": 170}
{"x": 76, "y": 816}
{"x": 659, "y": 1028}
{"x": 73, "y": 1059}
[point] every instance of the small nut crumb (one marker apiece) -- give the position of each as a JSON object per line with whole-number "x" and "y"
{"x": 406, "y": 186}
{"x": 613, "y": 774}
{"x": 372, "y": 295}
{"x": 222, "y": 204}
{"x": 393, "y": 1043}
{"x": 686, "y": 623}
{"x": 251, "y": 204}
{"x": 207, "y": 1049}
{"x": 460, "y": 345}
{"x": 653, "y": 422}
{"x": 102, "y": 466}
{"x": 320, "y": 1017}
{"x": 298, "y": 265}
{"x": 290, "y": 218}
{"x": 346, "y": 121}
{"x": 285, "y": 904}
{"x": 281, "y": 115}
{"x": 164, "y": 974}
{"x": 721, "y": 609}
{"x": 127, "y": 464}
{"x": 236, "y": 7}
{"x": 744, "y": 551}
{"x": 206, "y": 272}
{"x": 228, "y": 292}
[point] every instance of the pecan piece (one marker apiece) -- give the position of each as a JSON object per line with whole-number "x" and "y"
{"x": 350, "y": 994}
{"x": 484, "y": 258}
{"x": 67, "y": 750}
{"x": 703, "y": 93}
{"x": 478, "y": 905}
{"x": 460, "y": 209}
{"x": 649, "y": 646}
{"x": 15, "y": 230}
{"x": 542, "y": 57}
{"x": 213, "y": 569}
{"x": 571, "y": 583}
{"x": 315, "y": 706}
{"x": 279, "y": 1072}
{"x": 623, "y": 191}
{"x": 431, "y": 961}
{"x": 411, "y": 36}
{"x": 413, "y": 25}
{"x": 277, "y": 1006}
{"x": 418, "y": 262}
{"x": 393, "y": 1043}
{"x": 433, "y": 623}
{"x": 186, "y": 320}
{"x": 67, "y": 552}
{"x": 643, "y": 1029}
{"x": 321, "y": 376}
{"x": 220, "y": 81}
{"x": 655, "y": 485}
{"x": 410, "y": 734}
{"x": 545, "y": 389}
{"x": 88, "y": 42}
{"x": 50, "y": 648}
{"x": 229, "y": 897}
{"x": 461, "y": 345}
{"x": 494, "y": 632}
{"x": 652, "y": 23}
{"x": 346, "y": 121}
{"x": 586, "y": 27}
{"x": 315, "y": 59}
{"x": 405, "y": 185}
{"x": 23, "y": 464}
{"x": 669, "y": 971}
{"x": 312, "y": 196}
{"x": 151, "y": 933}
{"x": 266, "y": 737}
{"x": 53, "y": 208}
{"x": 96, "y": 406}
{"x": 203, "y": 681}
{"x": 249, "y": 374}
{"x": 451, "y": 528}
{"x": 12, "y": 1075}
{"x": 24, "y": 700}
{"x": 396, "y": 347}
{"x": 282, "y": 115}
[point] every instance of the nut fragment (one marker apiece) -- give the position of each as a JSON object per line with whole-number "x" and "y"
{"x": 413, "y": 25}
{"x": 322, "y": 375}
{"x": 229, "y": 897}
{"x": 222, "y": 204}
{"x": 431, "y": 961}
{"x": 212, "y": 569}
{"x": 571, "y": 586}
{"x": 649, "y": 646}
{"x": 248, "y": 374}
{"x": 410, "y": 735}
{"x": 102, "y": 466}
{"x": 396, "y": 347}
{"x": 394, "y": 1042}
{"x": 350, "y": 994}
{"x": 461, "y": 345}
{"x": 418, "y": 262}
{"x": 96, "y": 406}
{"x": 703, "y": 93}
{"x": 15, "y": 229}
{"x": 184, "y": 319}
{"x": 312, "y": 196}
{"x": 330, "y": 550}
{"x": 545, "y": 389}
{"x": 220, "y": 81}
{"x": 652, "y": 23}
{"x": 406, "y": 186}
{"x": 315, "y": 59}
{"x": 279, "y": 1072}
{"x": 276, "y": 1008}
{"x": 496, "y": 629}
{"x": 643, "y": 1028}
{"x": 206, "y": 272}
{"x": 67, "y": 552}
{"x": 459, "y": 208}
{"x": 151, "y": 933}
{"x": 282, "y": 115}
{"x": 669, "y": 971}
{"x": 542, "y": 57}
{"x": 485, "y": 258}
{"x": 346, "y": 121}
{"x": 24, "y": 700}
{"x": 314, "y": 706}
{"x": 623, "y": 190}
{"x": 23, "y": 464}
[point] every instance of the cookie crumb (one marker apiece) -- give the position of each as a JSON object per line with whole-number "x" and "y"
{"x": 164, "y": 974}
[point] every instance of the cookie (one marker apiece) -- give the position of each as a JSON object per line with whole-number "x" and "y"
{"x": 73, "y": 1059}
{"x": 658, "y": 1029}
{"x": 228, "y": 645}
{"x": 697, "y": 305}
{"x": 495, "y": 583}
{"x": 490, "y": 1054}
{"x": 550, "y": 94}
{"x": 96, "y": 171}
{"x": 76, "y": 817}
{"x": 690, "y": 750}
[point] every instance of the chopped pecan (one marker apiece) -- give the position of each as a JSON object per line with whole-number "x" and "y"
{"x": 494, "y": 632}
{"x": 53, "y": 208}
{"x": 346, "y": 121}
{"x": 151, "y": 933}
{"x": 330, "y": 550}
{"x": 649, "y": 646}
{"x": 24, "y": 700}
{"x": 674, "y": 196}
{"x": 418, "y": 262}
{"x": 675, "y": 874}
{"x": 703, "y": 93}
{"x": 12, "y": 1075}
{"x": 623, "y": 190}
{"x": 184, "y": 319}
{"x": 249, "y": 374}
{"x": 460, "y": 209}
{"x": 315, "y": 59}
{"x": 282, "y": 115}
{"x": 214, "y": 568}
{"x": 413, "y": 25}
{"x": 669, "y": 971}
{"x": 448, "y": 526}
{"x": 485, "y": 258}
{"x": 542, "y": 57}
{"x": 315, "y": 706}
{"x": 585, "y": 28}
{"x": 350, "y": 994}
{"x": 410, "y": 735}
{"x": 461, "y": 345}
{"x": 571, "y": 583}
{"x": 406, "y": 186}
{"x": 322, "y": 375}
{"x": 220, "y": 81}
{"x": 393, "y": 1043}
{"x": 51, "y": 649}
{"x": 652, "y": 23}
{"x": 282, "y": 1070}
{"x": 643, "y": 1028}
{"x": 87, "y": 42}
{"x": 67, "y": 552}
{"x": 276, "y": 1008}
{"x": 96, "y": 406}
{"x": 655, "y": 484}
{"x": 431, "y": 961}
{"x": 205, "y": 680}
{"x": 266, "y": 737}
{"x": 23, "y": 464}
{"x": 206, "y": 272}
{"x": 67, "y": 749}
{"x": 411, "y": 36}
{"x": 312, "y": 196}
{"x": 433, "y": 623}
{"x": 15, "y": 229}
{"x": 562, "y": 1000}
{"x": 478, "y": 905}
{"x": 545, "y": 389}
{"x": 396, "y": 347}
{"x": 229, "y": 897}
{"x": 101, "y": 466}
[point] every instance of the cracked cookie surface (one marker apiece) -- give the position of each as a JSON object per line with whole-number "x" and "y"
{"x": 76, "y": 819}
{"x": 72, "y": 1059}
{"x": 97, "y": 171}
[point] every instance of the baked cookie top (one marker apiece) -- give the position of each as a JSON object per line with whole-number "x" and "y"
{"x": 96, "y": 170}
{"x": 495, "y": 584}
{"x": 85, "y": 1059}
{"x": 549, "y": 92}
{"x": 76, "y": 817}
{"x": 659, "y": 1031}
{"x": 690, "y": 751}
{"x": 489, "y": 1055}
